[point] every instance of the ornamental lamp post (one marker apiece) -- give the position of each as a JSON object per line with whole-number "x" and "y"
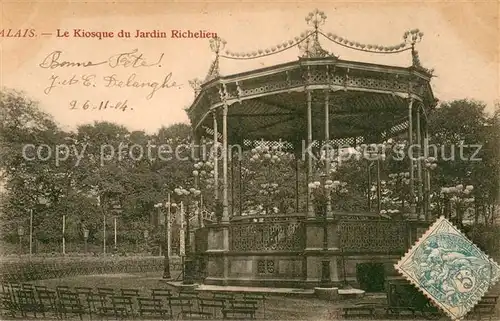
{"x": 41, "y": 201}
{"x": 376, "y": 153}
{"x": 196, "y": 175}
{"x": 146, "y": 237}
{"x": 158, "y": 206}
{"x": 166, "y": 235}
{"x": 325, "y": 263}
{"x": 85, "y": 238}
{"x": 64, "y": 234}
{"x": 117, "y": 210}
{"x": 430, "y": 164}
{"x": 373, "y": 154}
{"x": 460, "y": 196}
{"x": 445, "y": 193}
{"x": 188, "y": 262}
{"x": 340, "y": 189}
{"x": 20, "y": 233}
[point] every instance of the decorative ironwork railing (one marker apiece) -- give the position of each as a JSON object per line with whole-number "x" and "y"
{"x": 373, "y": 236}
{"x": 287, "y": 236}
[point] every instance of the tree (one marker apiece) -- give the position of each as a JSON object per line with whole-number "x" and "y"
{"x": 458, "y": 130}
{"x": 27, "y": 175}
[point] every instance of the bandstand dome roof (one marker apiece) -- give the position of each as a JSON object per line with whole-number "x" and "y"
{"x": 367, "y": 101}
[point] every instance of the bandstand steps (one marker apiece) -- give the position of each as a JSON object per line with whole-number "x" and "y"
{"x": 345, "y": 294}
{"x": 292, "y": 292}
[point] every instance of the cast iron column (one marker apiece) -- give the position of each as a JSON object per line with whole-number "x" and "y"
{"x": 188, "y": 262}
{"x": 419, "y": 165}
{"x": 427, "y": 173}
{"x": 166, "y": 251}
{"x": 216, "y": 157}
{"x": 225, "y": 210}
{"x": 310, "y": 207}
{"x": 329, "y": 212}
{"x": 410, "y": 156}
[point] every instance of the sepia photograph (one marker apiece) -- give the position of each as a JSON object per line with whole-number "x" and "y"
{"x": 205, "y": 160}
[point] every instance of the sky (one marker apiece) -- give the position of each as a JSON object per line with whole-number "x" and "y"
{"x": 460, "y": 43}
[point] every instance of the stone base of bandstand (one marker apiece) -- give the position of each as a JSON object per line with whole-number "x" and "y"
{"x": 329, "y": 294}
{"x": 321, "y": 263}
{"x": 178, "y": 285}
{"x": 282, "y": 268}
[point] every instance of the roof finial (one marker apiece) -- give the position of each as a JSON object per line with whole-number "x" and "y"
{"x": 412, "y": 37}
{"x": 312, "y": 47}
{"x": 196, "y": 85}
{"x": 316, "y": 18}
{"x": 216, "y": 45}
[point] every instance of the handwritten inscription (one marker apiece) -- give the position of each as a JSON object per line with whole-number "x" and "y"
{"x": 111, "y": 81}
{"x": 101, "y": 105}
{"x": 133, "y": 59}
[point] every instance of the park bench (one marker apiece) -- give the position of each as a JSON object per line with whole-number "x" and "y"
{"x": 106, "y": 291}
{"x": 489, "y": 299}
{"x": 130, "y": 292}
{"x": 62, "y": 288}
{"x": 240, "y": 309}
{"x": 10, "y": 295}
{"x": 8, "y": 304}
{"x": 123, "y": 306}
{"x": 259, "y": 297}
{"x": 99, "y": 305}
{"x": 397, "y": 312}
{"x": 27, "y": 286}
{"x": 214, "y": 305}
{"x": 40, "y": 287}
{"x": 83, "y": 292}
{"x": 48, "y": 298}
{"x": 152, "y": 308}
{"x": 69, "y": 303}
{"x": 182, "y": 305}
{"x": 191, "y": 312}
{"x": 359, "y": 311}
{"x": 188, "y": 294}
{"x": 161, "y": 293}
{"x": 223, "y": 295}
{"x": 14, "y": 288}
{"x": 485, "y": 308}
{"x": 27, "y": 302}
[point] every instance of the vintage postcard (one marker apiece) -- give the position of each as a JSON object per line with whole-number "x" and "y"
{"x": 249, "y": 160}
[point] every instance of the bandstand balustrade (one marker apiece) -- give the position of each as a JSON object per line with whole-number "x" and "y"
{"x": 378, "y": 236}
{"x": 267, "y": 234}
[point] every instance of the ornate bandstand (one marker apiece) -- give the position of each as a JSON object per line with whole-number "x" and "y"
{"x": 317, "y": 103}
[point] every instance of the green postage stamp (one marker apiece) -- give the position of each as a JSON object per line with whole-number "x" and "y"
{"x": 449, "y": 269}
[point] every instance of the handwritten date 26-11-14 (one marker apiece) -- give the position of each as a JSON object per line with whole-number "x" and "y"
{"x": 100, "y": 105}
